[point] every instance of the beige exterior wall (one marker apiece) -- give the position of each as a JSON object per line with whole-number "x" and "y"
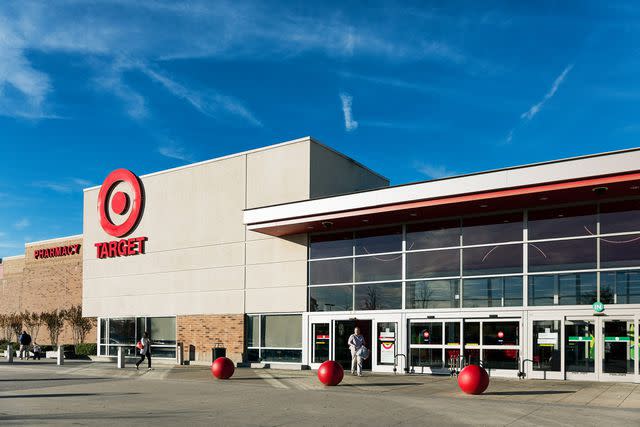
{"x": 200, "y": 259}
{"x": 333, "y": 174}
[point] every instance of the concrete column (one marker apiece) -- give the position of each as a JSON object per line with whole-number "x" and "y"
{"x": 60, "y": 355}
{"x": 120, "y": 358}
{"x": 9, "y": 354}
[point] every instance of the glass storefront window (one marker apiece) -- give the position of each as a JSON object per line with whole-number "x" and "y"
{"x": 620, "y": 251}
{"x": 580, "y": 346}
{"x": 619, "y": 348}
{"x": 162, "y": 330}
{"x": 386, "y": 343}
{"x": 563, "y": 289}
{"x": 577, "y": 289}
{"x": 422, "y": 265}
{"x": 280, "y": 338}
{"x": 486, "y": 260}
{"x": 576, "y": 254}
{"x": 569, "y": 221}
{"x": 500, "y": 359}
{"x": 282, "y": 331}
{"x": 379, "y": 296}
{"x": 500, "y": 333}
{"x": 620, "y": 217}
{"x": 452, "y": 333}
{"x": 492, "y": 229}
{"x": 433, "y": 235}
{"x": 492, "y": 292}
{"x": 253, "y": 331}
{"x": 103, "y": 333}
{"x": 378, "y": 268}
{"x": 431, "y": 357}
{"x": 433, "y": 294}
{"x": 281, "y": 355}
{"x": 125, "y": 332}
{"x": 426, "y": 333}
{"x": 331, "y": 298}
{"x": 331, "y": 271}
{"x": 331, "y": 245}
{"x": 471, "y": 334}
{"x": 620, "y": 287}
{"x": 378, "y": 240}
{"x": 321, "y": 342}
{"x": 543, "y": 290}
{"x": 546, "y": 345}
{"x": 122, "y": 331}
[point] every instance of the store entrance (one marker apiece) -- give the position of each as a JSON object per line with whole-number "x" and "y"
{"x": 595, "y": 348}
{"x": 343, "y": 329}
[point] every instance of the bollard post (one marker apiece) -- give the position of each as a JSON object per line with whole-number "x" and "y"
{"x": 60, "y": 355}
{"x": 179, "y": 354}
{"x": 120, "y": 360}
{"x": 9, "y": 353}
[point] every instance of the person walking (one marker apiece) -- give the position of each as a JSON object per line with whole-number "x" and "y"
{"x": 145, "y": 351}
{"x": 25, "y": 340}
{"x": 356, "y": 342}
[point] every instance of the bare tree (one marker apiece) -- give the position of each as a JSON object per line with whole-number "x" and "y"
{"x": 80, "y": 326}
{"x": 55, "y": 322}
{"x": 15, "y": 322}
{"x": 371, "y": 302}
{"x": 5, "y": 325}
{"x": 33, "y": 322}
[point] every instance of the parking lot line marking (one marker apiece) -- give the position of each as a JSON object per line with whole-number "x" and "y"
{"x": 269, "y": 379}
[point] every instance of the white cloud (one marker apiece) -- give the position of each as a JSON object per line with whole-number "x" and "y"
{"x": 435, "y": 171}
{"x": 135, "y": 103}
{"x": 535, "y": 108}
{"x": 152, "y": 31}
{"x": 207, "y": 102}
{"x": 390, "y": 81}
{"x": 349, "y": 123}
{"x": 174, "y": 150}
{"x": 84, "y": 183}
{"x": 22, "y": 224}
{"x": 66, "y": 186}
{"x": 509, "y": 137}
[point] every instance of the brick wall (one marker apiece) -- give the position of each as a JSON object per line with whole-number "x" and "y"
{"x": 44, "y": 284}
{"x": 205, "y": 331}
{"x": 11, "y": 285}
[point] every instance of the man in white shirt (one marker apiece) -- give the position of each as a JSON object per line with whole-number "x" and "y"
{"x": 356, "y": 342}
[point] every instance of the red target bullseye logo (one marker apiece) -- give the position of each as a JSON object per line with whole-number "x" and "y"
{"x": 120, "y": 202}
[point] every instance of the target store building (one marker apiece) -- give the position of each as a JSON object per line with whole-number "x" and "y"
{"x": 278, "y": 253}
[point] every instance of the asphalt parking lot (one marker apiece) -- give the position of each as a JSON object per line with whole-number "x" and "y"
{"x": 90, "y": 393}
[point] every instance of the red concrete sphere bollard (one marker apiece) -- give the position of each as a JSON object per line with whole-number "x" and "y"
{"x": 473, "y": 379}
{"x": 330, "y": 373}
{"x": 222, "y": 368}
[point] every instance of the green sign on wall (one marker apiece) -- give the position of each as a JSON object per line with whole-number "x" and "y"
{"x": 598, "y": 307}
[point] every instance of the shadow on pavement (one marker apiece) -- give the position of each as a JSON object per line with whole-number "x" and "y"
{"x": 35, "y": 396}
{"x": 526, "y": 392}
{"x": 52, "y": 379}
{"x": 262, "y": 379}
{"x": 378, "y": 384}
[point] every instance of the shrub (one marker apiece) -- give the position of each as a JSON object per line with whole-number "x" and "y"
{"x": 86, "y": 349}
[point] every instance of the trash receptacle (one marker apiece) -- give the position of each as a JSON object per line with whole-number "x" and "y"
{"x": 218, "y": 351}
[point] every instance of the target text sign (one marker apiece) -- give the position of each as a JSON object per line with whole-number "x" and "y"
{"x": 128, "y": 206}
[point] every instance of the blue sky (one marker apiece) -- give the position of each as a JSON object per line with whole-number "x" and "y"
{"x": 414, "y": 90}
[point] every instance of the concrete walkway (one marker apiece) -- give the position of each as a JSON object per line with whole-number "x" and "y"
{"x": 84, "y": 393}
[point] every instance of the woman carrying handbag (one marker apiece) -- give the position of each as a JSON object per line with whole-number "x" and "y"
{"x": 144, "y": 345}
